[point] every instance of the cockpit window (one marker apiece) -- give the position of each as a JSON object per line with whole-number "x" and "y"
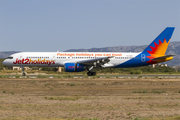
{"x": 9, "y": 57}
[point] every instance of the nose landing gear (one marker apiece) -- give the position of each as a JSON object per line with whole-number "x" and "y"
{"x": 23, "y": 72}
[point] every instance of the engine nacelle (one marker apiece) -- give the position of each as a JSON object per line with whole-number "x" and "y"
{"x": 73, "y": 67}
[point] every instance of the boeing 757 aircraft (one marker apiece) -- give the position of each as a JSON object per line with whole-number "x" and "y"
{"x": 80, "y": 61}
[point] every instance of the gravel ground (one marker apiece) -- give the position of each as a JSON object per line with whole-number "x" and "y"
{"x": 89, "y": 99}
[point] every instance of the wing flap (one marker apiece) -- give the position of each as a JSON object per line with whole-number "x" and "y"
{"x": 96, "y": 61}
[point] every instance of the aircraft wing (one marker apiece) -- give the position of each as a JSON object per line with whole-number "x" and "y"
{"x": 96, "y": 62}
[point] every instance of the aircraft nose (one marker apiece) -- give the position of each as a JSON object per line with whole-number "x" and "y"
{"x": 5, "y": 62}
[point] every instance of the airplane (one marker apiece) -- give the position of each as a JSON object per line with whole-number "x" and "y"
{"x": 81, "y": 61}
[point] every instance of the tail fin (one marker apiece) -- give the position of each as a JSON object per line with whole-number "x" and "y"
{"x": 154, "y": 53}
{"x": 159, "y": 46}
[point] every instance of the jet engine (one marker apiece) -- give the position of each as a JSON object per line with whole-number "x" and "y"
{"x": 73, "y": 67}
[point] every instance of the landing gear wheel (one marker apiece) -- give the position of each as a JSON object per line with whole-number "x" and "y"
{"x": 23, "y": 74}
{"x": 91, "y": 73}
{"x": 94, "y": 73}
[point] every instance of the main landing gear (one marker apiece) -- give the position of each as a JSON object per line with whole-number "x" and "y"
{"x": 90, "y": 72}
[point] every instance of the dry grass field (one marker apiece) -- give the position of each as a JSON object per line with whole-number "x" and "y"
{"x": 89, "y": 99}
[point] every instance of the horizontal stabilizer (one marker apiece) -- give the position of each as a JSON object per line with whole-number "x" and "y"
{"x": 163, "y": 58}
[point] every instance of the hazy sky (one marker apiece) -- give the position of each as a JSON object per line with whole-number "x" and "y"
{"x": 51, "y": 25}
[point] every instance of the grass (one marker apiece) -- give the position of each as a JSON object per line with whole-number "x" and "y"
{"x": 156, "y": 77}
{"x": 158, "y": 118}
{"x": 140, "y": 119}
{"x": 33, "y": 82}
{"x": 87, "y": 119}
{"x": 90, "y": 98}
{"x": 167, "y": 106}
{"x": 67, "y": 75}
{"x": 92, "y": 83}
{"x": 141, "y": 91}
{"x": 16, "y": 76}
{"x": 42, "y": 76}
{"x": 158, "y": 91}
{"x": 40, "y": 118}
{"x": 153, "y": 91}
{"x": 139, "y": 76}
{"x": 129, "y": 113}
{"x": 144, "y": 98}
{"x": 72, "y": 84}
{"x": 51, "y": 88}
{"x": 73, "y": 98}
{"x": 47, "y": 84}
{"x": 107, "y": 77}
{"x": 57, "y": 76}
{"x": 4, "y": 76}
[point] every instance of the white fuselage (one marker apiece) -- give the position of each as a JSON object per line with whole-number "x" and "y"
{"x": 58, "y": 59}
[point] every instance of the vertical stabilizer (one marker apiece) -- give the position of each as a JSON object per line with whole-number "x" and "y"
{"x": 154, "y": 53}
{"x": 159, "y": 46}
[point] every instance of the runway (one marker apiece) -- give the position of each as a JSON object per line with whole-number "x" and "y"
{"x": 98, "y": 76}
